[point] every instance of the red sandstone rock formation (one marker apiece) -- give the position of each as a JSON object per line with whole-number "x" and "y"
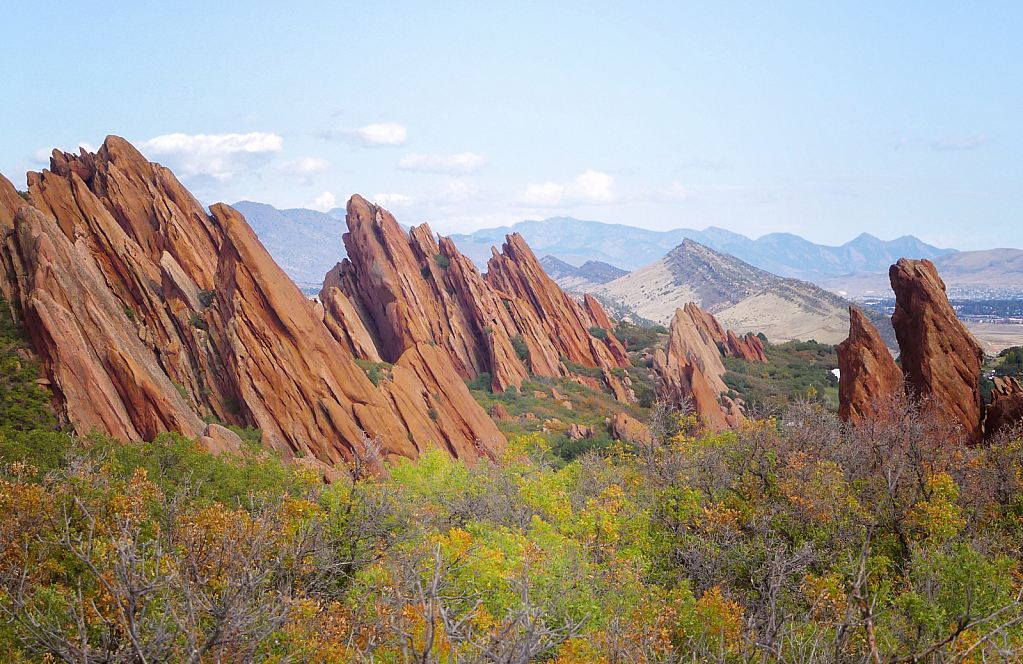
{"x": 597, "y": 314}
{"x": 749, "y": 347}
{"x": 690, "y": 367}
{"x": 868, "y": 374}
{"x": 628, "y": 428}
{"x": 409, "y": 288}
{"x": 940, "y": 358}
{"x": 1006, "y": 408}
{"x": 147, "y": 313}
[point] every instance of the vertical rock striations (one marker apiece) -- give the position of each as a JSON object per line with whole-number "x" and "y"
{"x": 940, "y": 358}
{"x": 149, "y": 313}
{"x": 690, "y": 367}
{"x": 868, "y": 374}
{"x": 407, "y": 288}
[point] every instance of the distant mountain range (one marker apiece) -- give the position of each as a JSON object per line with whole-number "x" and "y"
{"x": 574, "y": 241}
{"x": 742, "y": 297}
{"x": 305, "y": 243}
{"x": 584, "y": 278}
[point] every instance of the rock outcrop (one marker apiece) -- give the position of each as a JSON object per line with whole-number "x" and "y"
{"x": 597, "y": 314}
{"x": 868, "y": 373}
{"x": 749, "y": 347}
{"x": 940, "y": 358}
{"x": 1006, "y": 407}
{"x": 690, "y": 367}
{"x": 409, "y": 288}
{"x": 628, "y": 428}
{"x": 148, "y": 313}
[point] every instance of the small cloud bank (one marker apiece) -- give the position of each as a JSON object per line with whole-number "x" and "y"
{"x": 219, "y": 156}
{"x": 452, "y": 164}
{"x": 451, "y": 192}
{"x": 325, "y": 201}
{"x": 385, "y": 134}
{"x": 304, "y": 166}
{"x": 959, "y": 142}
{"x": 590, "y": 188}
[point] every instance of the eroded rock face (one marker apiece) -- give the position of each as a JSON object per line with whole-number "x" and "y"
{"x": 409, "y": 288}
{"x": 868, "y": 373}
{"x": 749, "y": 347}
{"x": 940, "y": 358}
{"x": 628, "y": 428}
{"x": 1006, "y": 407}
{"x": 148, "y": 313}
{"x": 690, "y": 367}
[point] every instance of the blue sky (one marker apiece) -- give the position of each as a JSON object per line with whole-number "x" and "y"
{"x": 825, "y": 119}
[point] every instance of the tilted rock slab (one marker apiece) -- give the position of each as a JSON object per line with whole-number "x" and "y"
{"x": 690, "y": 367}
{"x": 148, "y": 313}
{"x": 940, "y": 358}
{"x": 868, "y": 373}
{"x": 409, "y": 288}
{"x": 1006, "y": 407}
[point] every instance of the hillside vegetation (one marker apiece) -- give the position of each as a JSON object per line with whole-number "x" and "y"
{"x": 794, "y": 539}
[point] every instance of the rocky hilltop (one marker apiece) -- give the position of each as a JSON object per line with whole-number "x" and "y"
{"x": 690, "y": 366}
{"x": 741, "y": 296}
{"x": 149, "y": 315}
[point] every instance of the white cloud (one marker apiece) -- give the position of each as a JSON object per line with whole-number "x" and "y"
{"x": 959, "y": 142}
{"x": 384, "y": 134}
{"x": 325, "y": 201}
{"x": 452, "y": 164}
{"x": 453, "y": 192}
{"x": 676, "y": 191}
{"x": 590, "y": 188}
{"x": 392, "y": 199}
{"x": 304, "y": 167}
{"x": 220, "y": 156}
{"x": 542, "y": 195}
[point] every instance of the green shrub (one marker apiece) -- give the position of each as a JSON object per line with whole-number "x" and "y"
{"x": 521, "y": 347}
{"x": 207, "y": 297}
{"x": 482, "y": 383}
{"x": 197, "y": 322}
{"x": 442, "y": 261}
{"x": 598, "y": 332}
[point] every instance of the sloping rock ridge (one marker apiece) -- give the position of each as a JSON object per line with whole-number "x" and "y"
{"x": 867, "y": 372}
{"x": 149, "y": 314}
{"x": 410, "y": 288}
{"x": 690, "y": 367}
{"x": 941, "y": 361}
{"x": 940, "y": 358}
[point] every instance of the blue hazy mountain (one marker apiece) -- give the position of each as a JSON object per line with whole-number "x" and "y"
{"x": 305, "y": 243}
{"x": 629, "y": 247}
